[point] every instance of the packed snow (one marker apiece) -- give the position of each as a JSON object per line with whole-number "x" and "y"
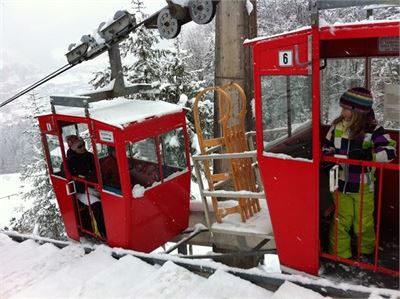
{"x": 30, "y": 270}
{"x": 11, "y": 189}
{"x": 138, "y": 191}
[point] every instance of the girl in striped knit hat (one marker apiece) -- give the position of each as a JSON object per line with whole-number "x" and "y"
{"x": 356, "y": 134}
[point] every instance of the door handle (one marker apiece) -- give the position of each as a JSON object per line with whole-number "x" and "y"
{"x": 68, "y": 187}
{"x": 334, "y": 178}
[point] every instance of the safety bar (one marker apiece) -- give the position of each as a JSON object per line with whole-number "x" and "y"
{"x": 249, "y": 154}
{"x": 86, "y": 182}
{"x": 224, "y": 193}
{"x": 337, "y": 160}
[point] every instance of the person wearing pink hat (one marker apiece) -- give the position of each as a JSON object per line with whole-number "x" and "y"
{"x": 81, "y": 164}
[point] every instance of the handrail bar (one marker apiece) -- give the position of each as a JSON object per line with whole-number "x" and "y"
{"x": 86, "y": 182}
{"x": 234, "y": 194}
{"x": 338, "y": 160}
{"x": 249, "y": 154}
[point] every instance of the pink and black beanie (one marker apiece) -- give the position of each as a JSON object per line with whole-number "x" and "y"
{"x": 357, "y": 98}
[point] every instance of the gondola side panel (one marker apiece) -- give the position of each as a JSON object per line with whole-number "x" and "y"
{"x": 161, "y": 214}
{"x": 67, "y": 207}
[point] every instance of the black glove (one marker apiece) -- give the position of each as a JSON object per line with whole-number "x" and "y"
{"x": 360, "y": 154}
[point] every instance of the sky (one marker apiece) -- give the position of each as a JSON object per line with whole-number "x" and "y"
{"x": 39, "y": 31}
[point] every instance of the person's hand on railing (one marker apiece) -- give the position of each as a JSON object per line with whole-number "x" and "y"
{"x": 328, "y": 151}
{"x": 360, "y": 154}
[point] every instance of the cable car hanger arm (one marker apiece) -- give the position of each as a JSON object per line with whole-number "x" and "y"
{"x": 124, "y": 23}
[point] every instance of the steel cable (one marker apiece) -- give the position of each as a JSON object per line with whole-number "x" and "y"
{"x": 38, "y": 83}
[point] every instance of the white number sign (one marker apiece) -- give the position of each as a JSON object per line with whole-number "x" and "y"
{"x": 106, "y": 136}
{"x": 286, "y": 58}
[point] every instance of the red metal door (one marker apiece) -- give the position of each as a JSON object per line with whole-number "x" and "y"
{"x": 285, "y": 147}
{"x": 290, "y": 178}
{"x": 66, "y": 204}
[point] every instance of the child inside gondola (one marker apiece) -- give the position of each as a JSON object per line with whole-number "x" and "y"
{"x": 81, "y": 164}
{"x": 356, "y": 135}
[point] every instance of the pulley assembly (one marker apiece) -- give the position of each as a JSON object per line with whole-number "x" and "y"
{"x": 171, "y": 18}
{"x": 168, "y": 26}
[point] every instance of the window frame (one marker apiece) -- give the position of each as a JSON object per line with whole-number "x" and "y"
{"x": 290, "y": 133}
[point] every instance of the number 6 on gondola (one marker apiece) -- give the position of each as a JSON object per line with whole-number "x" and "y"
{"x": 286, "y": 58}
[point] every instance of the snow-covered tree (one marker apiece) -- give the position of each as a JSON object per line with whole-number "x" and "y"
{"x": 140, "y": 48}
{"x": 200, "y": 58}
{"x": 141, "y": 58}
{"x": 177, "y": 79}
{"x": 42, "y": 217}
{"x": 276, "y": 17}
{"x": 180, "y": 78}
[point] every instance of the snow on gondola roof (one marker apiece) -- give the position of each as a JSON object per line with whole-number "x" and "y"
{"x": 120, "y": 112}
{"x": 323, "y": 26}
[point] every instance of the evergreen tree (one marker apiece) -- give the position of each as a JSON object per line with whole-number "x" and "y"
{"x": 177, "y": 80}
{"x": 174, "y": 69}
{"x": 43, "y": 216}
{"x": 276, "y": 17}
{"x": 200, "y": 58}
{"x": 141, "y": 59}
{"x": 141, "y": 47}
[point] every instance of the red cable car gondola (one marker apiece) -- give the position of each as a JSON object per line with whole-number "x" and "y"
{"x": 147, "y": 201}
{"x": 287, "y": 71}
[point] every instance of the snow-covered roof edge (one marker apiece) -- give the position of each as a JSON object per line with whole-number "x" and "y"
{"x": 120, "y": 112}
{"x": 325, "y": 25}
{"x": 260, "y": 38}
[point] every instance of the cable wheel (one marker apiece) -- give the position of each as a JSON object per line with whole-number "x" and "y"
{"x": 202, "y": 11}
{"x": 168, "y": 26}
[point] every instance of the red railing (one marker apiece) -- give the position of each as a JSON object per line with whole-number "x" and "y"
{"x": 375, "y": 266}
{"x": 88, "y": 184}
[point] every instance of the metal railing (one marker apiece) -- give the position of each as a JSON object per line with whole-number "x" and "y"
{"x": 375, "y": 263}
{"x": 204, "y": 192}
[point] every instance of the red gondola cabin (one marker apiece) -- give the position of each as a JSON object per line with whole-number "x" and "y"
{"x": 142, "y": 173}
{"x": 298, "y": 79}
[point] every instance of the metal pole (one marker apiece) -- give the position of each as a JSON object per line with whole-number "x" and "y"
{"x": 328, "y": 4}
{"x": 203, "y": 198}
{"x": 289, "y": 107}
{"x": 116, "y": 70}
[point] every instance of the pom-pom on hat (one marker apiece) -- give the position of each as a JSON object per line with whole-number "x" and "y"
{"x": 357, "y": 98}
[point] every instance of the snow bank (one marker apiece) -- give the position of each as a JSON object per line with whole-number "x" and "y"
{"x": 11, "y": 189}
{"x": 138, "y": 191}
{"x": 30, "y": 270}
{"x": 293, "y": 291}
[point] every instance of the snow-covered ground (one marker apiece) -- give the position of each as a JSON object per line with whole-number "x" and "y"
{"x": 11, "y": 190}
{"x": 30, "y": 270}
